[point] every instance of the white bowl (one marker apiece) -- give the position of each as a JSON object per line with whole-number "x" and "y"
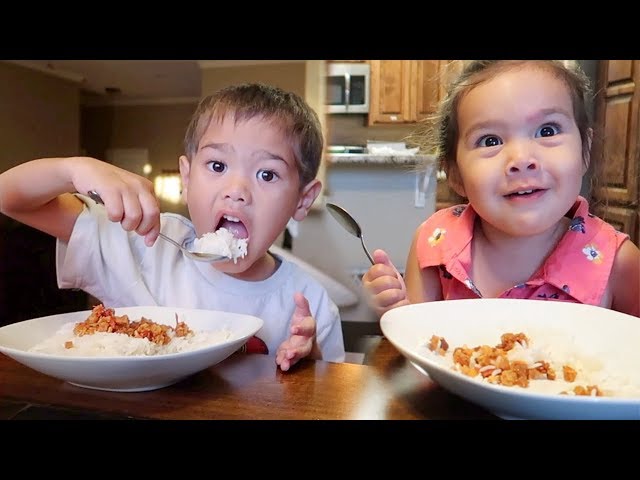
{"x": 128, "y": 373}
{"x": 605, "y": 340}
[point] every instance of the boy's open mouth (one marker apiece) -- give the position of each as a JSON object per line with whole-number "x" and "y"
{"x": 234, "y": 225}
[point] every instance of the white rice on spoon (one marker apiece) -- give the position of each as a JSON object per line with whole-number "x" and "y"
{"x": 221, "y": 242}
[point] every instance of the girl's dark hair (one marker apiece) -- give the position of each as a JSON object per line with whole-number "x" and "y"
{"x": 438, "y": 134}
{"x": 298, "y": 121}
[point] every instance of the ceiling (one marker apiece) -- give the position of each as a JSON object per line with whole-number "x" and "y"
{"x": 136, "y": 81}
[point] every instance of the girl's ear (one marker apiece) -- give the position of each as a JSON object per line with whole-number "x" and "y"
{"x": 455, "y": 181}
{"x": 185, "y": 167}
{"x": 308, "y": 195}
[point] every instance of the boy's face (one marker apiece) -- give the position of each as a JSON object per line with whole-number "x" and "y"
{"x": 244, "y": 178}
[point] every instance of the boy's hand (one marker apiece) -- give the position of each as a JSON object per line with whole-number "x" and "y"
{"x": 302, "y": 341}
{"x": 383, "y": 284}
{"x": 128, "y": 198}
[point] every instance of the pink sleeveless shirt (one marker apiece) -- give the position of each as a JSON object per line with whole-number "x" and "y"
{"x": 576, "y": 271}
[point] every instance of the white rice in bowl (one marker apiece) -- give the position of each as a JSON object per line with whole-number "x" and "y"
{"x": 221, "y": 242}
{"x": 611, "y": 376}
{"x": 103, "y": 344}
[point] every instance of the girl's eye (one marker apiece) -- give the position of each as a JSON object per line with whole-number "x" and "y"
{"x": 489, "y": 141}
{"x": 267, "y": 175}
{"x": 548, "y": 130}
{"x": 217, "y": 167}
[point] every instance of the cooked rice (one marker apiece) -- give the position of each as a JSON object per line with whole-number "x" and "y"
{"x": 104, "y": 344}
{"x": 221, "y": 242}
{"x": 590, "y": 370}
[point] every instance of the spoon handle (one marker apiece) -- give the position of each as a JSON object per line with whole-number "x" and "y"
{"x": 366, "y": 250}
{"x": 170, "y": 240}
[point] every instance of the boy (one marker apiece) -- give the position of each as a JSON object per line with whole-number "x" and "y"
{"x": 251, "y": 156}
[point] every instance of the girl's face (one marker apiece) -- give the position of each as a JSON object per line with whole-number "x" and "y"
{"x": 519, "y": 153}
{"x": 244, "y": 178}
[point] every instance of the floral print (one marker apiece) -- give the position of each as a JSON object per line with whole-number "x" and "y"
{"x": 457, "y": 211}
{"x": 577, "y": 225}
{"x": 592, "y": 254}
{"x": 472, "y": 287}
{"x": 437, "y": 236}
{"x": 445, "y": 273}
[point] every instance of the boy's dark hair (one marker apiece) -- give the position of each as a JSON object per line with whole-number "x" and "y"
{"x": 439, "y": 134}
{"x": 299, "y": 122}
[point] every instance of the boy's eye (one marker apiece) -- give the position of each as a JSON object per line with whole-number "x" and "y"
{"x": 218, "y": 167}
{"x": 548, "y": 130}
{"x": 267, "y": 175}
{"x": 489, "y": 141}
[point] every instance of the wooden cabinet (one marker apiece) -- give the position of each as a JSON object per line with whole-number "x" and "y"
{"x": 389, "y": 92}
{"x": 407, "y": 91}
{"x": 618, "y": 127}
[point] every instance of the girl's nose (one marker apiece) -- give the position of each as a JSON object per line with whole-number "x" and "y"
{"x": 520, "y": 158}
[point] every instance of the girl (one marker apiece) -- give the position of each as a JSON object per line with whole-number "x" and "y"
{"x": 515, "y": 140}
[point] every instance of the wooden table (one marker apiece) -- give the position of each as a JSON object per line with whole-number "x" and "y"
{"x": 248, "y": 387}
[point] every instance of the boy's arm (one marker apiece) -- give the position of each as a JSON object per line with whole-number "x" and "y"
{"x": 625, "y": 280}
{"x": 35, "y": 193}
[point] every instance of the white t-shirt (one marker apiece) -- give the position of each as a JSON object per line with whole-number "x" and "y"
{"x": 116, "y": 267}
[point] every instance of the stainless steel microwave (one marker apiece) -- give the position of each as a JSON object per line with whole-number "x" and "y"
{"x": 348, "y": 87}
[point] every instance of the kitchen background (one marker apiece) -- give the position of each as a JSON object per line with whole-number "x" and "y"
{"x": 50, "y": 113}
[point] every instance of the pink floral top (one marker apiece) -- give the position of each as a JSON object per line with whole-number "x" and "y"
{"x": 576, "y": 271}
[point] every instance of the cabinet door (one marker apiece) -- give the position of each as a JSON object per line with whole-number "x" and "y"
{"x": 390, "y": 91}
{"x": 449, "y": 70}
{"x": 618, "y": 121}
{"x": 425, "y": 87}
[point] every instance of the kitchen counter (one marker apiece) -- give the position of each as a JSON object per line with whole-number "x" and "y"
{"x": 369, "y": 159}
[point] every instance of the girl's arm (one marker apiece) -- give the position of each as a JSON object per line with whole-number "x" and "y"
{"x": 625, "y": 280}
{"x": 423, "y": 285}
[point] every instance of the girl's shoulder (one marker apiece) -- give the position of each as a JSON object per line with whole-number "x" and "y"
{"x": 455, "y": 216}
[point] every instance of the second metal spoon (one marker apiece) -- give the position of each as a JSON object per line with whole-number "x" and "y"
{"x": 349, "y": 223}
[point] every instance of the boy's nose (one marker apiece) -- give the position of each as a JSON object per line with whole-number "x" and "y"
{"x": 236, "y": 190}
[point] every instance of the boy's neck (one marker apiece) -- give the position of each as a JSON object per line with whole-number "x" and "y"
{"x": 262, "y": 269}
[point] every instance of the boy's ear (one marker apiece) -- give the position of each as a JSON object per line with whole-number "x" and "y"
{"x": 185, "y": 166}
{"x": 308, "y": 195}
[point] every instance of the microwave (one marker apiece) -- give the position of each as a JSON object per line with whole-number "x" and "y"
{"x": 347, "y": 87}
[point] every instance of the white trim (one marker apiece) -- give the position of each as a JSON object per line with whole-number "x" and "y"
{"x": 106, "y": 101}
{"x": 74, "y": 77}
{"x": 205, "y": 64}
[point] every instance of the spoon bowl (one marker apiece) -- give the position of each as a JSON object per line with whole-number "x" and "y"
{"x": 349, "y": 223}
{"x": 198, "y": 256}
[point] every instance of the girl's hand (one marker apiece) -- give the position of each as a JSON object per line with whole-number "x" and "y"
{"x": 383, "y": 284}
{"x": 128, "y": 198}
{"x": 302, "y": 341}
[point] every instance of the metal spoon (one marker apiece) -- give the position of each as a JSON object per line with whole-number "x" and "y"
{"x": 349, "y": 223}
{"x": 198, "y": 256}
